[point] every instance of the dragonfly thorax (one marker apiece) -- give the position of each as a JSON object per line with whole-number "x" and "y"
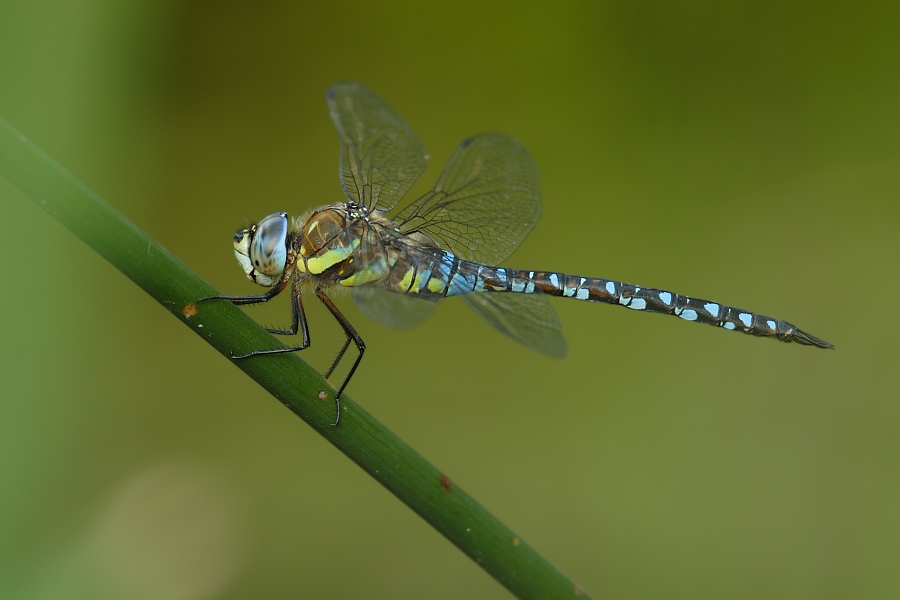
{"x": 338, "y": 245}
{"x": 323, "y": 230}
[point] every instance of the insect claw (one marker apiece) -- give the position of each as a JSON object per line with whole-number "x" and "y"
{"x": 337, "y": 402}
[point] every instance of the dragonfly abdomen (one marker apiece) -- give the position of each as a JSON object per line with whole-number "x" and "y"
{"x": 474, "y": 278}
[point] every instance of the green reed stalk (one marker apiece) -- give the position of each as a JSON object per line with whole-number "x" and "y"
{"x": 295, "y": 384}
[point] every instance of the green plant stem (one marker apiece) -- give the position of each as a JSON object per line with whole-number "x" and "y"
{"x": 395, "y": 465}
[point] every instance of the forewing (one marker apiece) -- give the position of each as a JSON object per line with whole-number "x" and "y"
{"x": 528, "y": 319}
{"x": 485, "y": 202}
{"x": 381, "y": 157}
{"x": 397, "y": 311}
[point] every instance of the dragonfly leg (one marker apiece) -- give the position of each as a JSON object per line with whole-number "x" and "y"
{"x": 298, "y": 321}
{"x": 351, "y": 335}
{"x": 252, "y": 299}
{"x": 338, "y": 358}
{"x": 298, "y": 318}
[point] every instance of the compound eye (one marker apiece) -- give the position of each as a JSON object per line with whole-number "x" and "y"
{"x": 268, "y": 248}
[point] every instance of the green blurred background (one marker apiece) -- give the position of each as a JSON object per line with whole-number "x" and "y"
{"x": 746, "y": 153}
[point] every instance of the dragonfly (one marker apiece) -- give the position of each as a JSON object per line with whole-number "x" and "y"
{"x": 447, "y": 243}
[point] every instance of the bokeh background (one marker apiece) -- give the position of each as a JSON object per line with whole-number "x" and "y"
{"x": 747, "y": 153}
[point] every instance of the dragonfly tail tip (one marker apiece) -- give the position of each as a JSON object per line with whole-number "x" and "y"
{"x": 806, "y": 339}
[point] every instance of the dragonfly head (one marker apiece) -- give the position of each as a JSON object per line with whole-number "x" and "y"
{"x": 262, "y": 249}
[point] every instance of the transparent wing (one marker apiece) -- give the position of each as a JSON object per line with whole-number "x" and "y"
{"x": 381, "y": 157}
{"x": 397, "y": 311}
{"x": 485, "y": 202}
{"x": 528, "y": 319}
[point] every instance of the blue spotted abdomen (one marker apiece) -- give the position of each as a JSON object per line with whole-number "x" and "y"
{"x": 467, "y": 278}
